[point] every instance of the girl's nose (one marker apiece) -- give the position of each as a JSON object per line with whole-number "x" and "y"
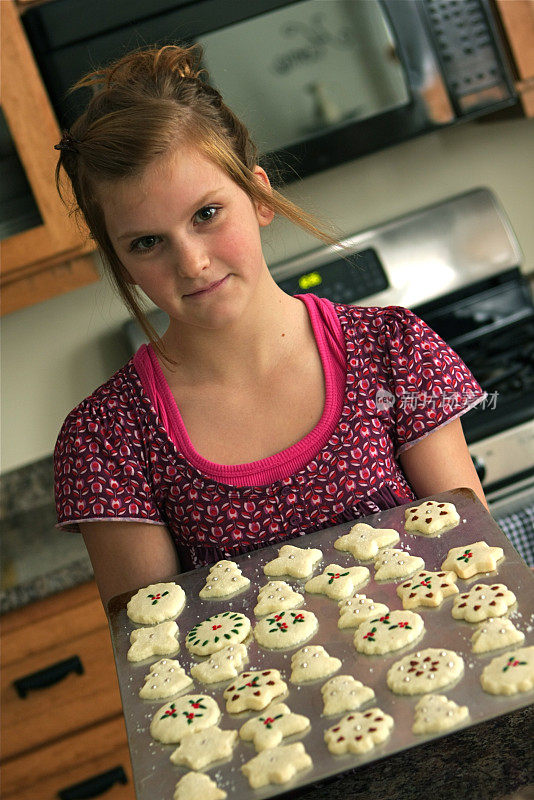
{"x": 191, "y": 259}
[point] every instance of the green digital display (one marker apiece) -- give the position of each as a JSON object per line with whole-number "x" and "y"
{"x": 310, "y": 280}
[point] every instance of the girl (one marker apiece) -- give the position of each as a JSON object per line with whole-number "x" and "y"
{"x": 257, "y": 416}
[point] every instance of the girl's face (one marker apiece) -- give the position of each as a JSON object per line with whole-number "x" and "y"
{"x": 189, "y": 237}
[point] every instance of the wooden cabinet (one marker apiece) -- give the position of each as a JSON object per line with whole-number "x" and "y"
{"x": 52, "y": 256}
{"x": 517, "y": 18}
{"x": 70, "y": 731}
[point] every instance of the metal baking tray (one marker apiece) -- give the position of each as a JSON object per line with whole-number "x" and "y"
{"x": 154, "y": 774}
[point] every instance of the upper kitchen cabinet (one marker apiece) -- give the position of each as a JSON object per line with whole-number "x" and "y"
{"x": 44, "y": 252}
{"x": 517, "y": 18}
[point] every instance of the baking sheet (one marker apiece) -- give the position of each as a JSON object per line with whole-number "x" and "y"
{"x": 154, "y": 774}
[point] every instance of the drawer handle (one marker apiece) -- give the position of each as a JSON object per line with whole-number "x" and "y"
{"x": 95, "y": 786}
{"x": 48, "y": 676}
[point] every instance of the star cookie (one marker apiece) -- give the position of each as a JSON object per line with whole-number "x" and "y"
{"x": 285, "y": 629}
{"x": 192, "y": 712}
{"x": 253, "y": 691}
{"x": 363, "y": 541}
{"x": 201, "y": 748}
{"x": 510, "y": 673}
{"x": 391, "y": 564}
{"x": 483, "y": 601}
{"x": 224, "y": 579}
{"x": 435, "y": 713}
{"x": 426, "y": 670}
{"x": 337, "y": 582}
{"x": 216, "y": 632}
{"x": 431, "y": 517}
{"x": 471, "y": 559}
{"x": 359, "y": 732}
{"x": 298, "y": 562}
{"x": 388, "y": 632}
{"x": 312, "y": 663}
{"x": 196, "y": 784}
{"x": 222, "y": 665}
{"x": 358, "y": 609}
{"x": 159, "y": 640}
{"x": 276, "y": 765}
{"x": 344, "y": 693}
{"x": 496, "y": 633}
{"x": 275, "y": 723}
{"x": 427, "y": 589}
{"x": 156, "y": 603}
{"x": 276, "y": 596}
{"x": 165, "y": 679}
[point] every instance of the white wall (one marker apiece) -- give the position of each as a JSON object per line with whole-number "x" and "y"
{"x": 55, "y": 353}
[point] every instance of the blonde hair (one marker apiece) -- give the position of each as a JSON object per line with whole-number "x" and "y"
{"x": 146, "y": 104}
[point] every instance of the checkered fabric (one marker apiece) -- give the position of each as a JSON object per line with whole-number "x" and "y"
{"x": 519, "y": 528}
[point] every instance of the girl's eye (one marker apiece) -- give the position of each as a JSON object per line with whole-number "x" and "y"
{"x": 144, "y": 244}
{"x": 206, "y": 213}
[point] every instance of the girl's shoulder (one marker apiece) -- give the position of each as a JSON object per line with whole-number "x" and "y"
{"x": 380, "y": 319}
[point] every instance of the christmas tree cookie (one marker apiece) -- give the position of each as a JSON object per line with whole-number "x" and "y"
{"x": 224, "y": 579}
{"x": 277, "y": 596}
{"x": 492, "y": 634}
{"x": 199, "y": 749}
{"x": 431, "y": 517}
{"x": 285, "y": 629}
{"x": 427, "y": 589}
{"x": 253, "y": 691}
{"x": 344, "y": 693}
{"x": 311, "y": 664}
{"x": 483, "y": 601}
{"x": 364, "y": 541}
{"x": 510, "y": 673}
{"x": 272, "y": 726}
{"x": 359, "y": 732}
{"x": 470, "y": 559}
{"x": 216, "y": 632}
{"x": 434, "y": 713}
{"x": 388, "y": 632}
{"x": 192, "y": 712}
{"x": 194, "y": 785}
{"x": 165, "y": 679}
{"x": 156, "y": 603}
{"x": 358, "y": 609}
{"x": 276, "y": 765}
{"x": 338, "y": 582}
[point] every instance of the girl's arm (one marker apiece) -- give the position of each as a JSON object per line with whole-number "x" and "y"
{"x": 126, "y": 555}
{"x": 441, "y": 461}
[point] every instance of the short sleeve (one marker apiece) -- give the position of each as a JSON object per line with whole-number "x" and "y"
{"x": 430, "y": 382}
{"x": 100, "y": 470}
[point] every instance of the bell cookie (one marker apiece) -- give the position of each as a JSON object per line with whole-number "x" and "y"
{"x": 363, "y": 541}
{"x": 338, "y": 582}
{"x": 431, "y": 517}
{"x": 216, "y": 632}
{"x": 224, "y": 579}
{"x": 194, "y": 785}
{"x": 276, "y": 765}
{"x": 165, "y": 679}
{"x": 192, "y": 712}
{"x": 388, "y": 632}
{"x": 311, "y": 664}
{"x": 359, "y": 732}
{"x": 201, "y": 748}
{"x": 483, "y": 601}
{"x": 156, "y": 603}
{"x": 471, "y": 559}
{"x": 222, "y": 665}
{"x": 494, "y": 633}
{"x": 344, "y": 693}
{"x": 427, "y": 589}
{"x": 159, "y": 640}
{"x": 298, "y": 562}
{"x": 424, "y": 671}
{"x": 277, "y": 596}
{"x": 392, "y": 564}
{"x": 510, "y": 673}
{"x": 268, "y": 730}
{"x": 434, "y": 713}
{"x": 358, "y": 609}
{"x": 253, "y": 691}
{"x": 285, "y": 629}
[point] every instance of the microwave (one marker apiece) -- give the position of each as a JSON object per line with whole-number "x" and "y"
{"x": 318, "y": 82}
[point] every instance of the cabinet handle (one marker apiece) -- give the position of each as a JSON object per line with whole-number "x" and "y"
{"x": 95, "y": 786}
{"x": 48, "y": 676}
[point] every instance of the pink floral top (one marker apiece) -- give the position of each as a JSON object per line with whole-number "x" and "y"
{"x": 123, "y": 453}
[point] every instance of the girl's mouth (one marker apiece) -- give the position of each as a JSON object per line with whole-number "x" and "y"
{"x": 208, "y": 289}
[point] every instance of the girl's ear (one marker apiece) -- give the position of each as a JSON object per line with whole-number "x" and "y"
{"x": 264, "y": 214}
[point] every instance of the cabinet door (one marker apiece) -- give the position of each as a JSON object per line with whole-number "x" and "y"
{"x": 517, "y": 17}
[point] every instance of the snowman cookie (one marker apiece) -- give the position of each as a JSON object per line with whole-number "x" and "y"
{"x": 159, "y": 640}
{"x": 222, "y": 665}
{"x": 431, "y": 517}
{"x": 427, "y": 589}
{"x": 344, "y": 693}
{"x": 435, "y": 713}
{"x": 276, "y": 765}
{"x": 298, "y": 562}
{"x": 388, "y": 632}
{"x": 165, "y": 679}
{"x": 338, "y": 582}
{"x": 359, "y": 732}
{"x": 156, "y": 603}
{"x": 189, "y": 713}
{"x": 276, "y": 722}
{"x": 470, "y": 559}
{"x": 216, "y": 632}
{"x": 277, "y": 596}
{"x": 311, "y": 664}
{"x": 253, "y": 691}
{"x": 224, "y": 579}
{"x": 483, "y": 601}
{"x": 358, "y": 609}
{"x": 424, "y": 671}
{"x": 364, "y": 541}
{"x": 392, "y": 564}
{"x": 285, "y": 629}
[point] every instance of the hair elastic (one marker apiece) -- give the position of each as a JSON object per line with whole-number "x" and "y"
{"x": 67, "y": 143}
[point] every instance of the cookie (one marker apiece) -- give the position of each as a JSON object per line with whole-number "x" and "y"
{"x": 298, "y": 562}
{"x": 196, "y": 784}
{"x": 391, "y": 564}
{"x": 427, "y": 589}
{"x": 492, "y": 634}
{"x": 359, "y": 732}
{"x": 216, "y": 632}
{"x": 285, "y": 629}
{"x": 268, "y": 730}
{"x": 358, "y": 609}
{"x": 222, "y": 665}
{"x": 426, "y": 670}
{"x": 363, "y": 541}
{"x": 253, "y": 691}
{"x": 431, "y": 517}
{"x": 277, "y": 596}
{"x": 344, "y": 693}
{"x": 337, "y": 582}
{"x": 165, "y": 679}
{"x": 388, "y": 632}
{"x": 434, "y": 713}
{"x": 201, "y": 748}
{"x": 224, "y": 579}
{"x": 471, "y": 559}
{"x": 159, "y": 640}
{"x": 511, "y": 673}
{"x": 156, "y": 603}
{"x": 192, "y": 712}
{"x": 483, "y": 601}
{"x": 276, "y": 765}
{"x": 312, "y": 663}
